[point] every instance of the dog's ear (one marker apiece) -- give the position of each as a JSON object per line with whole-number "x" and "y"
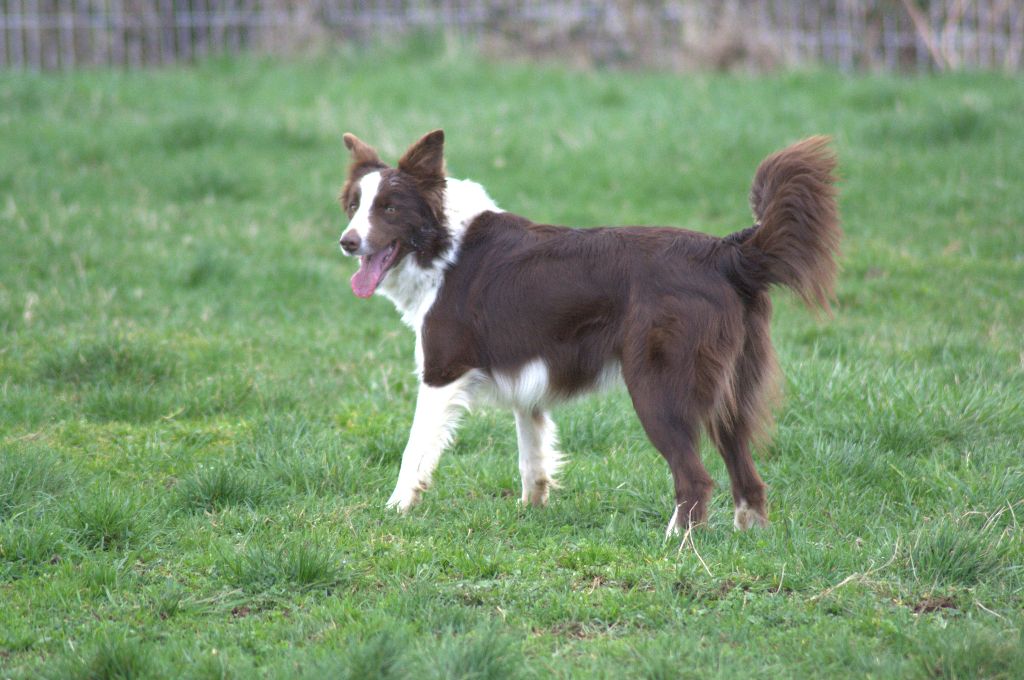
{"x": 425, "y": 158}
{"x": 362, "y": 153}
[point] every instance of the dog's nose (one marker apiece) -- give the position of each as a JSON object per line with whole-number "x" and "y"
{"x": 349, "y": 241}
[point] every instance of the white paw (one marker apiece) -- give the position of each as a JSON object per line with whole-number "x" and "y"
{"x": 746, "y": 517}
{"x": 536, "y": 493}
{"x": 403, "y": 498}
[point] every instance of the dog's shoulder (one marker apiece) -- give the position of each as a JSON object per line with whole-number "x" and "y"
{"x": 493, "y": 228}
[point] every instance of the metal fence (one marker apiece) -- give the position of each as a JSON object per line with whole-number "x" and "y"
{"x": 685, "y": 34}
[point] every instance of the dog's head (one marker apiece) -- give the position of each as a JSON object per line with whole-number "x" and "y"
{"x": 394, "y": 213}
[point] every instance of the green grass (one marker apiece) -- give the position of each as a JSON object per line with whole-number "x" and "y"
{"x": 200, "y": 423}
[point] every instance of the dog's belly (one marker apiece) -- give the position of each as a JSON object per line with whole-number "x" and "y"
{"x": 529, "y": 387}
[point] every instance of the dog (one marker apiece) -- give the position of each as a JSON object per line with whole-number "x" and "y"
{"x": 528, "y": 315}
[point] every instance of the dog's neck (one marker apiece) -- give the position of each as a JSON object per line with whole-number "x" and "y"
{"x": 413, "y": 288}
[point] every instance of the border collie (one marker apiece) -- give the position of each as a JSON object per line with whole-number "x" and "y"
{"x": 527, "y": 315}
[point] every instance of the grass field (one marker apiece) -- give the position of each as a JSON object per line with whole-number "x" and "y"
{"x": 200, "y": 423}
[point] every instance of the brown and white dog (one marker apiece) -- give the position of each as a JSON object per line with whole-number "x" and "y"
{"x": 528, "y": 315}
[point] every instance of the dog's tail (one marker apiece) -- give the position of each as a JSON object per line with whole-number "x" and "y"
{"x": 795, "y": 240}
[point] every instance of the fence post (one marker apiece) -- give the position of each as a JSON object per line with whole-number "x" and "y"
{"x": 3, "y": 38}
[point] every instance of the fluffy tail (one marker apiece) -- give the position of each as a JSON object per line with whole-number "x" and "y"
{"x": 796, "y": 239}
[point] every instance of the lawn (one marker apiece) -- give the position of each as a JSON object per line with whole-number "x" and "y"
{"x": 200, "y": 423}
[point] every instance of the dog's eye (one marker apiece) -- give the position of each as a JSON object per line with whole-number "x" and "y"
{"x": 352, "y": 206}
{"x": 390, "y": 209}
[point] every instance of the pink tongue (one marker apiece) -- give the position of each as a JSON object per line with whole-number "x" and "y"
{"x": 371, "y": 269}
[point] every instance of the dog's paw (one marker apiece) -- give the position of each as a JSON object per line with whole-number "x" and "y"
{"x": 404, "y": 498}
{"x": 746, "y": 517}
{"x": 682, "y": 522}
{"x": 536, "y": 493}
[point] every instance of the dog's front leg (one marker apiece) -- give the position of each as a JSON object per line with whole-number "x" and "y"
{"x": 438, "y": 410}
{"x": 539, "y": 458}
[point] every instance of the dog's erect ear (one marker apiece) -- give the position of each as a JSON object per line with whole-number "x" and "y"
{"x": 362, "y": 153}
{"x": 425, "y": 158}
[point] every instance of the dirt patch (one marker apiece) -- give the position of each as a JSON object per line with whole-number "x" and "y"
{"x": 577, "y": 630}
{"x": 934, "y": 604}
{"x": 717, "y": 593}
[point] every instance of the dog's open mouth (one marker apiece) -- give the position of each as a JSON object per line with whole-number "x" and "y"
{"x": 372, "y": 269}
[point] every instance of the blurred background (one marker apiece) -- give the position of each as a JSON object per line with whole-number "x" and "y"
{"x": 758, "y": 35}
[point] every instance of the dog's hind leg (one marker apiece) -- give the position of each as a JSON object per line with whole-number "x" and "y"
{"x": 438, "y": 410}
{"x": 676, "y": 372}
{"x": 674, "y": 430}
{"x": 733, "y": 442}
{"x": 676, "y": 437}
{"x": 748, "y": 417}
{"x": 539, "y": 458}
